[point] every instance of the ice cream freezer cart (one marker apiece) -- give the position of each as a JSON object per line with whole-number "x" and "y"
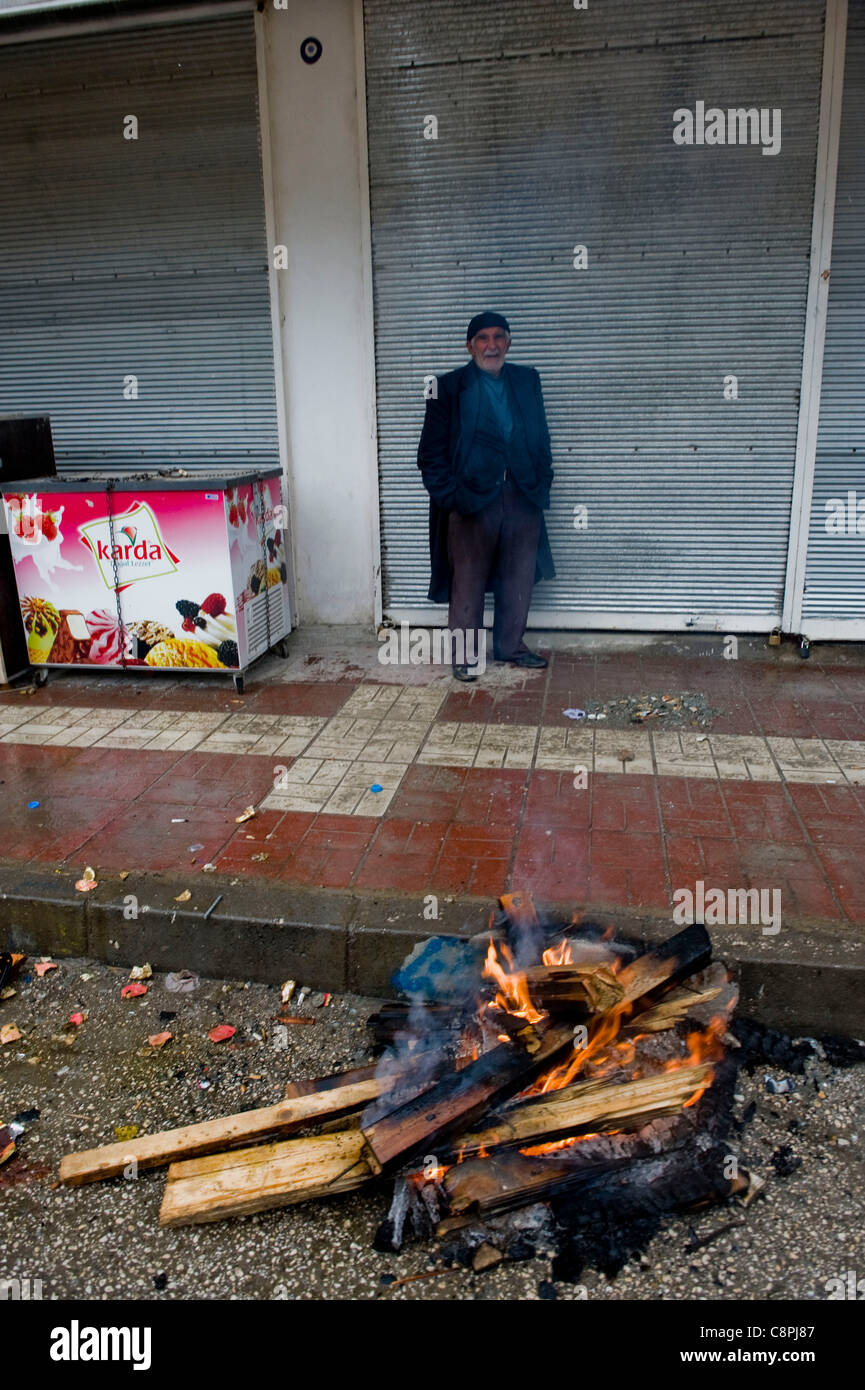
{"x": 151, "y": 571}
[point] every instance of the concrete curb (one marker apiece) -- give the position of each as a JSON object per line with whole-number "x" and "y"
{"x": 807, "y": 979}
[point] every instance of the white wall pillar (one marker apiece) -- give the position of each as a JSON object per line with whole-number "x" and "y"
{"x": 320, "y": 212}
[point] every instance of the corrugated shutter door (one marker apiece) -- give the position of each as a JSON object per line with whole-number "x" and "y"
{"x": 142, "y": 258}
{"x": 835, "y": 568}
{"x": 555, "y": 129}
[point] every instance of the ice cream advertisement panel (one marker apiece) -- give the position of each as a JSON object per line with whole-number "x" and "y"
{"x": 160, "y": 557}
{"x": 256, "y": 524}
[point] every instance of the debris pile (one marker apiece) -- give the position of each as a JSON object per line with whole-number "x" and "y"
{"x": 568, "y": 1067}
{"x": 663, "y": 710}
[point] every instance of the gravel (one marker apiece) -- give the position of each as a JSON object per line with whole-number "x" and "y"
{"x": 103, "y": 1241}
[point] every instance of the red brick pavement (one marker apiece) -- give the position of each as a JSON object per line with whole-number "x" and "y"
{"x": 626, "y": 841}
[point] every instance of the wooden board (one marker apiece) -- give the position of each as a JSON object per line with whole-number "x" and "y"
{"x": 593, "y": 1103}
{"x": 511, "y": 1178}
{"x": 455, "y": 1100}
{"x": 581, "y": 988}
{"x": 671, "y": 1009}
{"x": 519, "y": 910}
{"x": 154, "y": 1150}
{"x": 270, "y": 1175}
{"x": 297, "y": 1170}
{"x": 689, "y": 950}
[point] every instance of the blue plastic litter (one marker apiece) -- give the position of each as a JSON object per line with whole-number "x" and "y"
{"x": 441, "y": 968}
{"x": 31, "y": 805}
{"x": 376, "y": 787}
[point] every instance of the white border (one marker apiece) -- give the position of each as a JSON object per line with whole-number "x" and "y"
{"x": 557, "y": 621}
{"x": 828, "y": 142}
{"x": 141, "y": 19}
{"x": 271, "y": 234}
{"x": 367, "y": 346}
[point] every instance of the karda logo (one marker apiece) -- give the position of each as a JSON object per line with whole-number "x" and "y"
{"x": 129, "y": 547}
{"x": 141, "y": 551}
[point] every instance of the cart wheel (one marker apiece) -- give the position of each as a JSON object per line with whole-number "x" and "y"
{"x": 40, "y": 676}
{"x": 238, "y": 682}
{"x": 282, "y": 648}
{"x": 804, "y": 648}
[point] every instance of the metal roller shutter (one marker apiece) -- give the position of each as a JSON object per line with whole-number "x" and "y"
{"x": 835, "y": 570}
{"x": 555, "y": 129}
{"x": 142, "y": 258}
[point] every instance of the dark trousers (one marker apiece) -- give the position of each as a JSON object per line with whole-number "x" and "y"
{"x": 497, "y": 545}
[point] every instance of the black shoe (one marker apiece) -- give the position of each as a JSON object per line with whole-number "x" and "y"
{"x": 528, "y": 659}
{"x": 465, "y": 673}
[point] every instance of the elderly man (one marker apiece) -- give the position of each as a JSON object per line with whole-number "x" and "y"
{"x": 484, "y": 457}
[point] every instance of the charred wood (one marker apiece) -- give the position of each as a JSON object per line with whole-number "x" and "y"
{"x": 455, "y": 1100}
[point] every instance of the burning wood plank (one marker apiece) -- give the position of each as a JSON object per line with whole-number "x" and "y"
{"x": 271, "y": 1175}
{"x": 673, "y": 1008}
{"x": 661, "y": 1160}
{"x": 591, "y": 1103}
{"x": 590, "y": 986}
{"x": 686, "y": 952}
{"x": 458, "y": 1098}
{"x": 210, "y": 1136}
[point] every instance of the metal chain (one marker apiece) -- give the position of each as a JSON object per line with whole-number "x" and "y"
{"x": 109, "y": 488}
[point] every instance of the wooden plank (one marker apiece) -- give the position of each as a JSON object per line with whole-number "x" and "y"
{"x": 511, "y": 1178}
{"x": 154, "y": 1150}
{"x": 459, "y": 1097}
{"x": 297, "y": 1170}
{"x": 674, "y": 1006}
{"x": 392, "y": 1019}
{"x": 270, "y": 1175}
{"x": 590, "y": 988}
{"x": 689, "y": 950}
{"x": 565, "y": 1112}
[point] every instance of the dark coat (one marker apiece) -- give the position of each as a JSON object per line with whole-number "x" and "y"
{"x": 445, "y": 444}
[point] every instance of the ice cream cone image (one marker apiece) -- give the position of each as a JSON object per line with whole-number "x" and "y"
{"x": 41, "y": 621}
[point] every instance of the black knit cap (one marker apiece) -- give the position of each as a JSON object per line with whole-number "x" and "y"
{"x": 486, "y": 320}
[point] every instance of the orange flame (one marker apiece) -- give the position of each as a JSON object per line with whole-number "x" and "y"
{"x": 513, "y": 996}
{"x": 536, "y": 1150}
{"x": 558, "y": 955}
{"x": 597, "y": 1053}
{"x": 704, "y": 1045}
{"x": 432, "y": 1174}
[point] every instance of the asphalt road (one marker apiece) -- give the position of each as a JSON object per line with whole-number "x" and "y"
{"x": 103, "y": 1241}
